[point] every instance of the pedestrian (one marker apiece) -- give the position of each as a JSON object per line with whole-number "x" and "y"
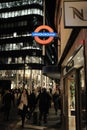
{"x": 24, "y": 99}
{"x": 43, "y": 100}
{"x": 7, "y": 100}
{"x": 32, "y": 101}
{"x": 13, "y": 97}
{"x": 56, "y": 101}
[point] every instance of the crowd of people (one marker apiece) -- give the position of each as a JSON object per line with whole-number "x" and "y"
{"x": 28, "y": 102}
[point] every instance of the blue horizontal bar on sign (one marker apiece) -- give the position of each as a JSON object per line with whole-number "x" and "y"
{"x": 44, "y": 34}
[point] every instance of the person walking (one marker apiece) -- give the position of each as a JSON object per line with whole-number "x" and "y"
{"x": 43, "y": 100}
{"x": 56, "y": 101}
{"x": 7, "y": 100}
{"x": 23, "y": 101}
{"x": 32, "y": 101}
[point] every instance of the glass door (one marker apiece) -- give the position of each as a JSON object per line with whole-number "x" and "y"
{"x": 83, "y": 102}
{"x": 75, "y": 100}
{"x": 70, "y": 101}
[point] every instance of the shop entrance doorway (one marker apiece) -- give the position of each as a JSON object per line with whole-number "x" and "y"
{"x": 74, "y": 102}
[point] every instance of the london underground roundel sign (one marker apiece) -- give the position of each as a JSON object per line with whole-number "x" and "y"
{"x": 50, "y": 34}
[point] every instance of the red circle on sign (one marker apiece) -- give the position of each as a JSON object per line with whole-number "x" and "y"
{"x": 43, "y": 41}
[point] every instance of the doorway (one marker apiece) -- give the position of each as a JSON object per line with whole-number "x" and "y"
{"x": 70, "y": 99}
{"x": 74, "y": 102}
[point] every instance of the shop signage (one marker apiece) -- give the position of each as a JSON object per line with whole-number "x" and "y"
{"x": 75, "y": 13}
{"x": 50, "y": 34}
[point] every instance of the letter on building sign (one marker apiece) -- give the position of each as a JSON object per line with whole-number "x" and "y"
{"x": 78, "y": 13}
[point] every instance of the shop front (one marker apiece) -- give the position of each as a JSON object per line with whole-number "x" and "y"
{"x": 74, "y": 98}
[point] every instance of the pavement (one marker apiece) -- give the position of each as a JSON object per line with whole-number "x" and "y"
{"x": 54, "y": 122}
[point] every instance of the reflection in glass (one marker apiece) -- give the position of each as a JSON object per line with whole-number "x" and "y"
{"x": 72, "y": 95}
{"x": 83, "y": 100}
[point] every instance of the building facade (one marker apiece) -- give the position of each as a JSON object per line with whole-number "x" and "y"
{"x": 72, "y": 58}
{"x": 18, "y": 49}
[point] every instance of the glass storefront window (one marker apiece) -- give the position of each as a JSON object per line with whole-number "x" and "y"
{"x": 32, "y": 78}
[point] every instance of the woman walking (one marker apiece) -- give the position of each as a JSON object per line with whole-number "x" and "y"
{"x": 23, "y": 100}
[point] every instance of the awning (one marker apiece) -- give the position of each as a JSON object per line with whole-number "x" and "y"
{"x": 51, "y": 71}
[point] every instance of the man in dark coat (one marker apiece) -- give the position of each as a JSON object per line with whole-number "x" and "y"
{"x": 43, "y": 99}
{"x": 32, "y": 101}
{"x": 7, "y": 99}
{"x": 56, "y": 101}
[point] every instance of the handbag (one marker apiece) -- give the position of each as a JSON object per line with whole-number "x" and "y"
{"x": 20, "y": 106}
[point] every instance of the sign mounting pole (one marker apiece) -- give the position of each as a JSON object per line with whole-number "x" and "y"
{"x": 43, "y": 47}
